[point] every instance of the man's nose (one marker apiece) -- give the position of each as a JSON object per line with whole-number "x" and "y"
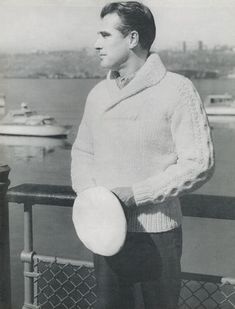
{"x": 98, "y": 44}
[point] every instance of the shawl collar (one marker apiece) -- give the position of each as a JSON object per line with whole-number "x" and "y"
{"x": 151, "y": 73}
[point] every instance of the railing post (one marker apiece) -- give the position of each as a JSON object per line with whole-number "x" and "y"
{"x": 27, "y": 257}
{"x": 5, "y": 275}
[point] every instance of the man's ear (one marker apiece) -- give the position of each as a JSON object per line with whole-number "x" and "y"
{"x": 134, "y": 39}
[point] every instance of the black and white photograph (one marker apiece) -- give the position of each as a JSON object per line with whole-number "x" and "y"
{"x": 117, "y": 154}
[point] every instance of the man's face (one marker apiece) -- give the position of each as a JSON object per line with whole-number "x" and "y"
{"x": 112, "y": 46}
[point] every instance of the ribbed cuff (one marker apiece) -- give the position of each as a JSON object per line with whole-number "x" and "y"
{"x": 143, "y": 194}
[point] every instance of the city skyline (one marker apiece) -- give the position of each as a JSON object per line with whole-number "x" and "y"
{"x": 72, "y": 24}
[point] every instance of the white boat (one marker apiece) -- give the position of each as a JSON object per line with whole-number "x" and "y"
{"x": 220, "y": 105}
{"x": 25, "y": 122}
{"x": 2, "y": 103}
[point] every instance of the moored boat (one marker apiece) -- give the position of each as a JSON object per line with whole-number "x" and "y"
{"x": 2, "y": 103}
{"x": 25, "y": 122}
{"x": 220, "y": 105}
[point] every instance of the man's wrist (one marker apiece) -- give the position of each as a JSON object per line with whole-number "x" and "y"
{"x": 125, "y": 195}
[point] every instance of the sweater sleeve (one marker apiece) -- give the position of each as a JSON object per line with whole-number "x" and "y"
{"x": 194, "y": 149}
{"x": 82, "y": 155}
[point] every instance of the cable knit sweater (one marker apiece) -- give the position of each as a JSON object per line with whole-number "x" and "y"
{"x": 152, "y": 135}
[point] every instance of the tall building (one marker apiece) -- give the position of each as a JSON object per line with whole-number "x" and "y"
{"x": 200, "y": 45}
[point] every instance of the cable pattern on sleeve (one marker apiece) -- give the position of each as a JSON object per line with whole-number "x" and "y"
{"x": 195, "y": 177}
{"x": 194, "y": 165}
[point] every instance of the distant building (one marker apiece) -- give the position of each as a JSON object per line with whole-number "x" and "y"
{"x": 200, "y": 45}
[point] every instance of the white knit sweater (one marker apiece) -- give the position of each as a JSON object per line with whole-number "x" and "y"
{"x": 152, "y": 135}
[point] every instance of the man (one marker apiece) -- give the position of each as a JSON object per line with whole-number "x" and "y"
{"x": 145, "y": 136}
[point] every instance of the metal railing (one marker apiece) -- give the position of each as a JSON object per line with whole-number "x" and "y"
{"x": 53, "y": 282}
{"x": 5, "y": 282}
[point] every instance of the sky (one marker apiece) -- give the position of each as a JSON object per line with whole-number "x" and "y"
{"x": 31, "y": 25}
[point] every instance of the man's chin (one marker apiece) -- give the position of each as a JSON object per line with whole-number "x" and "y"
{"x": 104, "y": 65}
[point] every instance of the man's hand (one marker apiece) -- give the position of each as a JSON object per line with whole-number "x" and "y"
{"x": 126, "y": 196}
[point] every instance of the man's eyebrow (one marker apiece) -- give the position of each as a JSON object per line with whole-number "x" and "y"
{"x": 103, "y": 32}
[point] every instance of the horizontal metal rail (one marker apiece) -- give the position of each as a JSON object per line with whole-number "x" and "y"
{"x": 193, "y": 205}
{"x": 51, "y": 195}
{"x": 184, "y": 275}
{"x": 54, "y": 259}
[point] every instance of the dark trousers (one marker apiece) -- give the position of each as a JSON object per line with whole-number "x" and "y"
{"x": 150, "y": 259}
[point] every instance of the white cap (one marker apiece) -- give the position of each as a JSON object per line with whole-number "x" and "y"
{"x": 99, "y": 221}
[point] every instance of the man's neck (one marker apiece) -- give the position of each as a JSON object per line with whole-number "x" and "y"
{"x": 132, "y": 65}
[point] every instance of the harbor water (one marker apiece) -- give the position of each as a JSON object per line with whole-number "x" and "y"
{"x": 208, "y": 244}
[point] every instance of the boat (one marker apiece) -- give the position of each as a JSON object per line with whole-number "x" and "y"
{"x": 220, "y": 105}
{"x": 2, "y": 103}
{"x": 220, "y": 109}
{"x": 26, "y": 122}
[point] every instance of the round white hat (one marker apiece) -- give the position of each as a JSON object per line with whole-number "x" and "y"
{"x": 99, "y": 221}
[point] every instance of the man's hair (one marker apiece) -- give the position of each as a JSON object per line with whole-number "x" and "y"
{"x": 134, "y": 16}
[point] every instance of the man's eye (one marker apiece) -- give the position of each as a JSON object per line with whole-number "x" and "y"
{"x": 104, "y": 35}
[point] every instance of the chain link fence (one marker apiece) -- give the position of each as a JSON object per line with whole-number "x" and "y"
{"x": 64, "y": 285}
{"x": 71, "y": 284}
{"x": 206, "y": 295}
